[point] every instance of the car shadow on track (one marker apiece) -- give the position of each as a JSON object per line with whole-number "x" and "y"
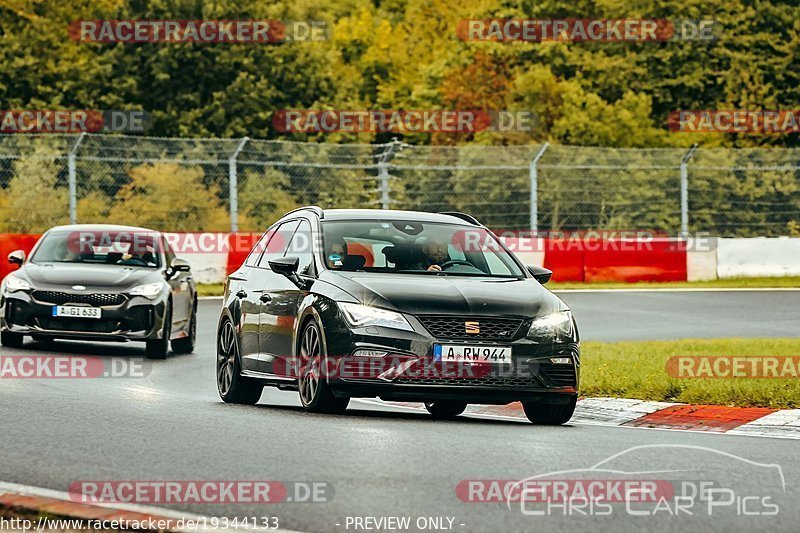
{"x": 63, "y": 347}
{"x": 393, "y": 415}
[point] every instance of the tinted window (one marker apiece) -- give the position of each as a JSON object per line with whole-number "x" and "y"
{"x": 135, "y": 248}
{"x": 278, "y": 242}
{"x": 411, "y": 247}
{"x": 300, "y": 247}
{"x": 168, "y": 253}
{"x": 255, "y": 253}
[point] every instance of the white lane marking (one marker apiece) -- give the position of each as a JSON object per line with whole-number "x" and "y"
{"x": 29, "y": 490}
{"x": 689, "y": 289}
{"x": 785, "y": 423}
{"x": 209, "y": 298}
{"x": 615, "y": 411}
{"x": 600, "y": 423}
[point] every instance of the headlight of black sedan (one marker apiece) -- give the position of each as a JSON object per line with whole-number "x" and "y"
{"x": 557, "y": 326}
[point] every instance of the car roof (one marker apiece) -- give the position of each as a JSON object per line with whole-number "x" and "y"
{"x": 102, "y": 227}
{"x": 391, "y": 214}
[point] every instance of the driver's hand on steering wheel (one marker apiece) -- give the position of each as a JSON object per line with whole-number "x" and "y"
{"x": 434, "y": 268}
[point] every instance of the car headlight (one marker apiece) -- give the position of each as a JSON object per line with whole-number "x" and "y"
{"x": 358, "y": 315}
{"x": 150, "y": 290}
{"x": 13, "y": 283}
{"x": 557, "y": 325}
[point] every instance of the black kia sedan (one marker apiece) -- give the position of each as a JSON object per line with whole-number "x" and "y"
{"x": 100, "y": 283}
{"x": 399, "y": 305}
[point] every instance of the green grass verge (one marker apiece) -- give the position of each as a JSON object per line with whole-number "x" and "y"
{"x": 209, "y": 289}
{"x": 215, "y": 289}
{"x": 637, "y": 370}
{"x": 731, "y": 283}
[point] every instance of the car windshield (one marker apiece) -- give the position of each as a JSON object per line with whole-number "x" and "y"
{"x": 99, "y": 247}
{"x": 413, "y": 247}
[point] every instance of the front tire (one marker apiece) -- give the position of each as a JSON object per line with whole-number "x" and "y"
{"x": 315, "y": 392}
{"x": 445, "y": 410}
{"x": 549, "y": 415}
{"x": 186, "y": 344}
{"x": 158, "y": 348}
{"x": 11, "y": 339}
{"x": 232, "y": 387}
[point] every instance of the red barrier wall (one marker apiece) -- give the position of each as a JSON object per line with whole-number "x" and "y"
{"x": 10, "y": 242}
{"x": 565, "y": 258}
{"x": 570, "y": 260}
{"x": 239, "y": 246}
{"x": 616, "y": 260}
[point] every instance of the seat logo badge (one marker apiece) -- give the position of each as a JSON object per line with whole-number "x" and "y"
{"x": 472, "y": 328}
{"x": 78, "y": 288}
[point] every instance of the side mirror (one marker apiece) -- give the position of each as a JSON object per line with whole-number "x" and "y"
{"x": 17, "y": 257}
{"x": 540, "y": 274}
{"x": 180, "y": 265}
{"x": 287, "y": 266}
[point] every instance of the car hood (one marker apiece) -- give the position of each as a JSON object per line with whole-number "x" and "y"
{"x": 65, "y": 275}
{"x": 422, "y": 294}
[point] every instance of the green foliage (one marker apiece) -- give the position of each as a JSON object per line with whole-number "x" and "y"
{"x": 149, "y": 200}
{"x": 646, "y": 377}
{"x": 405, "y": 54}
{"x": 34, "y": 200}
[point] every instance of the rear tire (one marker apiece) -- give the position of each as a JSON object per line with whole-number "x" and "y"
{"x": 549, "y": 415}
{"x": 315, "y": 392}
{"x": 11, "y": 339}
{"x": 446, "y": 409}
{"x": 232, "y": 387}
{"x": 158, "y": 348}
{"x": 186, "y": 344}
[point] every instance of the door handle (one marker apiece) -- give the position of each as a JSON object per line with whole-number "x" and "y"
{"x": 265, "y": 297}
{"x": 241, "y": 294}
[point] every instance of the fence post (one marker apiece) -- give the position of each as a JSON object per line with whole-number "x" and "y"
{"x": 233, "y": 185}
{"x": 685, "y": 191}
{"x": 383, "y": 173}
{"x": 73, "y": 180}
{"x": 534, "y": 178}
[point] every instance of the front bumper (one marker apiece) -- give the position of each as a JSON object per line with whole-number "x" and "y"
{"x": 409, "y": 371}
{"x": 135, "y": 318}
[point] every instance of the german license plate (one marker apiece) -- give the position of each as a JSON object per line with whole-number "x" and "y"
{"x": 74, "y": 311}
{"x": 445, "y": 353}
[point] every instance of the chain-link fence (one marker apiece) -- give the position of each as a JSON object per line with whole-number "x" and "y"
{"x": 245, "y": 184}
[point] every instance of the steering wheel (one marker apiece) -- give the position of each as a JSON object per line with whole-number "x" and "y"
{"x": 454, "y": 262}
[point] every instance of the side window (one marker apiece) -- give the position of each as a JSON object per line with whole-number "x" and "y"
{"x": 496, "y": 265}
{"x": 168, "y": 253}
{"x": 278, "y": 243}
{"x": 255, "y": 253}
{"x": 300, "y": 247}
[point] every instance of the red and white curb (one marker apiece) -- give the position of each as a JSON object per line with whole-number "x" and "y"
{"x": 58, "y": 503}
{"x": 753, "y": 421}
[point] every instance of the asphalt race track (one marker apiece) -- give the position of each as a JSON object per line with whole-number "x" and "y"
{"x": 390, "y": 461}
{"x": 667, "y": 314}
